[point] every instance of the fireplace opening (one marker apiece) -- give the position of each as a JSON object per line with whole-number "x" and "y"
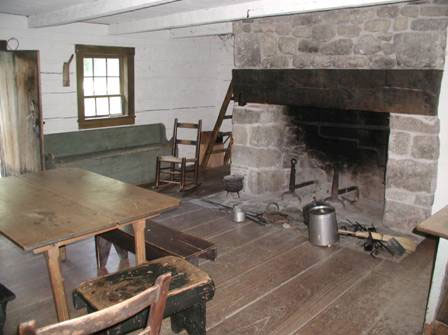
{"x": 344, "y": 150}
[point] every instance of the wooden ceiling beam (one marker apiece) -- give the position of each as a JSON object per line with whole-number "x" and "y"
{"x": 89, "y": 11}
{"x": 246, "y": 10}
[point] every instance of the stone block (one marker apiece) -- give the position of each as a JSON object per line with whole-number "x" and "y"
{"x": 404, "y": 217}
{"x": 400, "y": 196}
{"x": 383, "y": 62}
{"x": 256, "y": 157}
{"x": 343, "y": 46}
{"x": 424, "y": 200}
{"x": 247, "y": 51}
{"x": 323, "y": 61}
{"x": 399, "y": 143}
{"x": 388, "y": 11}
{"x": 240, "y": 134}
{"x": 266, "y": 136}
{"x": 425, "y": 147}
{"x": 246, "y": 114}
{"x": 361, "y": 15}
{"x": 246, "y": 27}
{"x": 429, "y": 24}
{"x": 385, "y": 37}
{"x": 377, "y": 25}
{"x": 367, "y": 45}
{"x": 323, "y": 32}
{"x": 419, "y": 50}
{"x": 287, "y": 45}
{"x": 266, "y": 181}
{"x": 276, "y": 62}
{"x": 302, "y": 61}
{"x": 268, "y": 44}
{"x": 414, "y": 123}
{"x": 350, "y": 62}
{"x": 411, "y": 175}
{"x": 409, "y": 11}
{"x": 348, "y": 30}
{"x": 282, "y": 28}
{"x": 401, "y": 23}
{"x": 302, "y": 32}
{"x": 434, "y": 10}
{"x": 388, "y": 48}
{"x": 305, "y": 19}
{"x": 308, "y": 46}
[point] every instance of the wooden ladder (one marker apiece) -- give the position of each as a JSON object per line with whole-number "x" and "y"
{"x": 216, "y": 131}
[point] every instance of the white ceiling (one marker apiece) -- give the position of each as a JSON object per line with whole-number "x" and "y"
{"x": 131, "y": 16}
{"x": 33, "y": 7}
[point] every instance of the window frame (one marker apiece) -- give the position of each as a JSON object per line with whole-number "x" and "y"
{"x": 126, "y": 57}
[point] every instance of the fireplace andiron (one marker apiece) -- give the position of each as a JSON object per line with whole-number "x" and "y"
{"x": 292, "y": 182}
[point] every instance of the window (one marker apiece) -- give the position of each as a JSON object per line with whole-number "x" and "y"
{"x": 105, "y": 79}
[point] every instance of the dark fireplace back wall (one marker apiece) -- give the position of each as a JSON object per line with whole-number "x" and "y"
{"x": 354, "y": 142}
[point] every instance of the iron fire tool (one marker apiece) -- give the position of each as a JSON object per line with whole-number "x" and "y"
{"x": 395, "y": 245}
{"x": 292, "y": 182}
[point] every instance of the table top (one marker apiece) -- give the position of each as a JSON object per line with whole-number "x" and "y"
{"x": 436, "y": 224}
{"x": 58, "y": 205}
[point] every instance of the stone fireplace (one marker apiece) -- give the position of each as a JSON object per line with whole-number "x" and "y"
{"x": 362, "y": 81}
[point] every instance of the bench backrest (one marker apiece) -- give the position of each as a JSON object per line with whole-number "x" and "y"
{"x": 100, "y": 140}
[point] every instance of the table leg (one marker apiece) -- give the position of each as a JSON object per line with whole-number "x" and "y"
{"x": 57, "y": 283}
{"x": 139, "y": 238}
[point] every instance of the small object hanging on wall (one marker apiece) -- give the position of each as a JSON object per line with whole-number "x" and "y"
{"x": 66, "y": 72}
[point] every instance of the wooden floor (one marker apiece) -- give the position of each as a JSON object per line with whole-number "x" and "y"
{"x": 268, "y": 281}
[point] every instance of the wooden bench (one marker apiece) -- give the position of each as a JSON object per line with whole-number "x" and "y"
{"x": 5, "y": 296}
{"x": 160, "y": 241}
{"x": 189, "y": 291}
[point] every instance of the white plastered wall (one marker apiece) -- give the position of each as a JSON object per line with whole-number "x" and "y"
{"x": 184, "y": 78}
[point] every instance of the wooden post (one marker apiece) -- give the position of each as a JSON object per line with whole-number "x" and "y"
{"x": 139, "y": 238}
{"x": 57, "y": 282}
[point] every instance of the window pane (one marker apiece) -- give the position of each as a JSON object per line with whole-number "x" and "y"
{"x": 100, "y": 86}
{"x": 88, "y": 67}
{"x": 115, "y": 105}
{"x": 99, "y": 67}
{"x": 88, "y": 86}
{"x": 113, "y": 67}
{"x": 113, "y": 85}
{"x": 89, "y": 107}
{"x": 102, "y": 106}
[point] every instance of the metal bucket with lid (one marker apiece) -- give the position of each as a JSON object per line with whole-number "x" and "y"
{"x": 323, "y": 227}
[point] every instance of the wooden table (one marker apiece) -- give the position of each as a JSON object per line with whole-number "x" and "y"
{"x": 44, "y": 211}
{"x": 436, "y": 225}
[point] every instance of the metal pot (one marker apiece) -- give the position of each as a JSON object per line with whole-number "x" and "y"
{"x": 323, "y": 227}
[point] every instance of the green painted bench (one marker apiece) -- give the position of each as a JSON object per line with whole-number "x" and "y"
{"x": 189, "y": 291}
{"x": 124, "y": 153}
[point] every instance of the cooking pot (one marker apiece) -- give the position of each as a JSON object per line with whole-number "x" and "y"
{"x": 323, "y": 227}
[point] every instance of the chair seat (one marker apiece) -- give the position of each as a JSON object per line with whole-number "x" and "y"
{"x": 173, "y": 159}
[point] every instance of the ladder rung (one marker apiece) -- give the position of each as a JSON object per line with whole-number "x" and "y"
{"x": 225, "y": 133}
{"x": 218, "y": 151}
{"x": 228, "y": 116}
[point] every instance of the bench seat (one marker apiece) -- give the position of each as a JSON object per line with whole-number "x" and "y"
{"x": 189, "y": 291}
{"x": 160, "y": 241}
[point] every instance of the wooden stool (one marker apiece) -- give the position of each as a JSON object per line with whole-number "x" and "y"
{"x": 189, "y": 291}
{"x": 5, "y": 296}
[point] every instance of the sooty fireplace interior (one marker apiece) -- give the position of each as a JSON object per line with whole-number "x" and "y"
{"x": 374, "y": 131}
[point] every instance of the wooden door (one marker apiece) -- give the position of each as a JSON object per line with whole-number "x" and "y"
{"x": 20, "y": 113}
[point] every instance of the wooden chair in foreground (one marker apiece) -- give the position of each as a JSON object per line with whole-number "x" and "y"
{"x": 179, "y": 167}
{"x": 154, "y": 296}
